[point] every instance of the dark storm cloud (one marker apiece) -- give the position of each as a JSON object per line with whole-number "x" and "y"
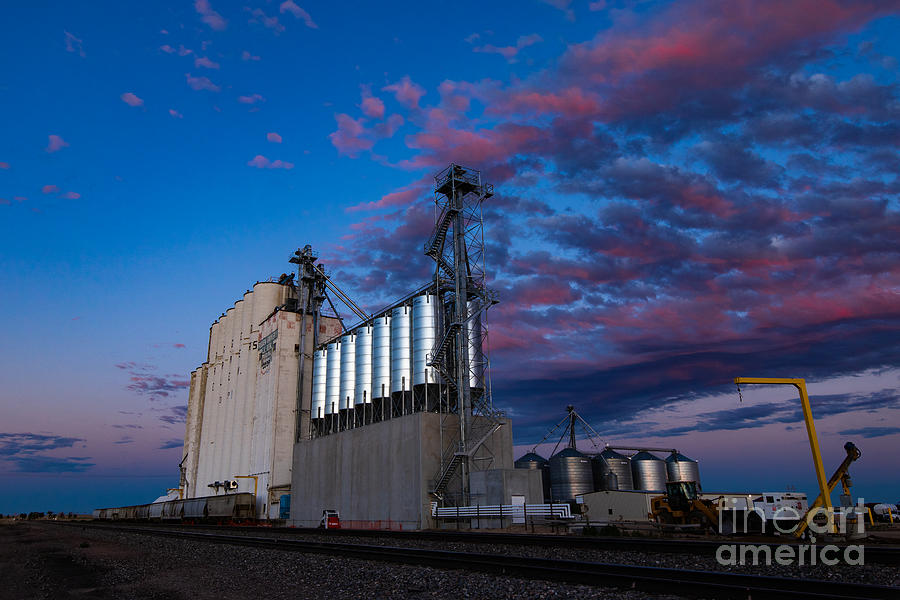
{"x": 24, "y": 452}
{"x": 680, "y": 202}
{"x": 176, "y": 414}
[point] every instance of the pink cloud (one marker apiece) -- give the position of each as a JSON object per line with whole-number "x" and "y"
{"x": 167, "y": 49}
{"x": 402, "y": 197}
{"x": 182, "y": 51}
{"x": 209, "y": 16}
{"x": 510, "y": 52}
{"x": 270, "y": 22}
{"x": 273, "y": 137}
{"x": 49, "y": 189}
{"x": 73, "y": 44}
{"x": 251, "y": 99}
{"x": 596, "y": 6}
{"x": 71, "y": 196}
{"x": 175, "y": 114}
{"x": 291, "y": 7}
{"x": 348, "y": 138}
{"x": 4, "y": 165}
{"x": 201, "y": 83}
{"x": 372, "y": 107}
{"x": 406, "y": 92}
{"x": 178, "y": 345}
{"x": 55, "y": 143}
{"x": 202, "y": 61}
{"x": 245, "y": 55}
{"x": 131, "y": 100}
{"x": 261, "y": 162}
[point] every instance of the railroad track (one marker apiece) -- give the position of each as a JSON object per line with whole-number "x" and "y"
{"x": 703, "y": 584}
{"x": 874, "y": 553}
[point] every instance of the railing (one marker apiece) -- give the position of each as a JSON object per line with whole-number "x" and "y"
{"x": 551, "y": 511}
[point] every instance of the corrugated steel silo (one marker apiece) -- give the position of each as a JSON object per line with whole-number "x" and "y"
{"x": 381, "y": 358}
{"x": 681, "y": 468}
{"x": 476, "y": 352}
{"x": 348, "y": 371}
{"x": 424, "y": 332}
{"x": 570, "y": 474}
{"x": 320, "y": 372}
{"x": 536, "y": 462}
{"x": 618, "y": 465}
{"x": 363, "y": 394}
{"x": 648, "y": 471}
{"x": 401, "y": 351}
{"x": 333, "y": 379}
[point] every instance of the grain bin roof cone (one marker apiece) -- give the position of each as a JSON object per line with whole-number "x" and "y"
{"x": 681, "y": 468}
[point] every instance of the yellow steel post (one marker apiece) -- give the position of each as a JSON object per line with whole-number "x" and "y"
{"x": 255, "y": 482}
{"x": 800, "y": 384}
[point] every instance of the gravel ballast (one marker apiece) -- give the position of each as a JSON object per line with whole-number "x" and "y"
{"x": 53, "y": 561}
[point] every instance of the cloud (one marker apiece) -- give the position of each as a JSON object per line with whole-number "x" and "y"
{"x": 261, "y": 162}
{"x": 258, "y": 16}
{"x": 669, "y": 200}
{"x": 131, "y": 100}
{"x": 128, "y": 426}
{"x": 201, "y": 83}
{"x": 49, "y": 189}
{"x": 71, "y": 196}
{"x": 251, "y": 99}
{"x": 4, "y": 165}
{"x": 127, "y": 439}
{"x": 73, "y": 44}
{"x": 167, "y": 49}
{"x": 372, "y": 107}
{"x": 25, "y": 452}
{"x": 291, "y": 7}
{"x": 273, "y": 137}
{"x": 871, "y": 432}
{"x": 209, "y": 16}
{"x": 406, "y": 92}
{"x": 177, "y": 414}
{"x": 202, "y": 61}
{"x": 144, "y": 382}
{"x": 245, "y": 55}
{"x": 562, "y": 5}
{"x": 174, "y": 443}
{"x": 55, "y": 143}
{"x": 510, "y": 52}
{"x": 175, "y": 114}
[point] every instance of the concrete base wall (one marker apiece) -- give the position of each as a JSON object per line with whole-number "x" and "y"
{"x": 384, "y": 471}
{"x": 379, "y": 472}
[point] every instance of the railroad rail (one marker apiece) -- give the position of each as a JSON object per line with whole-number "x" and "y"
{"x": 875, "y": 553}
{"x": 652, "y": 579}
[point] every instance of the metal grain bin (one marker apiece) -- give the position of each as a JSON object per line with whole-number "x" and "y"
{"x": 611, "y": 465}
{"x": 537, "y": 462}
{"x": 648, "y": 471}
{"x": 570, "y": 474}
{"x": 681, "y": 468}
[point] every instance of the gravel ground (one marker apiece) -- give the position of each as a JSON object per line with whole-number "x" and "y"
{"x": 50, "y": 561}
{"x": 872, "y": 574}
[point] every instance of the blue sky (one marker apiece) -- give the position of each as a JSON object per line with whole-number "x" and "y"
{"x": 685, "y": 194}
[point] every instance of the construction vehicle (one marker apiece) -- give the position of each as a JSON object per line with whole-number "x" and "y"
{"x": 682, "y": 505}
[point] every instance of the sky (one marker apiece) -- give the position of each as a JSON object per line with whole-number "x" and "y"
{"x": 685, "y": 193}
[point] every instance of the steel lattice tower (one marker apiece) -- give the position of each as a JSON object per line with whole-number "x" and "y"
{"x": 457, "y": 247}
